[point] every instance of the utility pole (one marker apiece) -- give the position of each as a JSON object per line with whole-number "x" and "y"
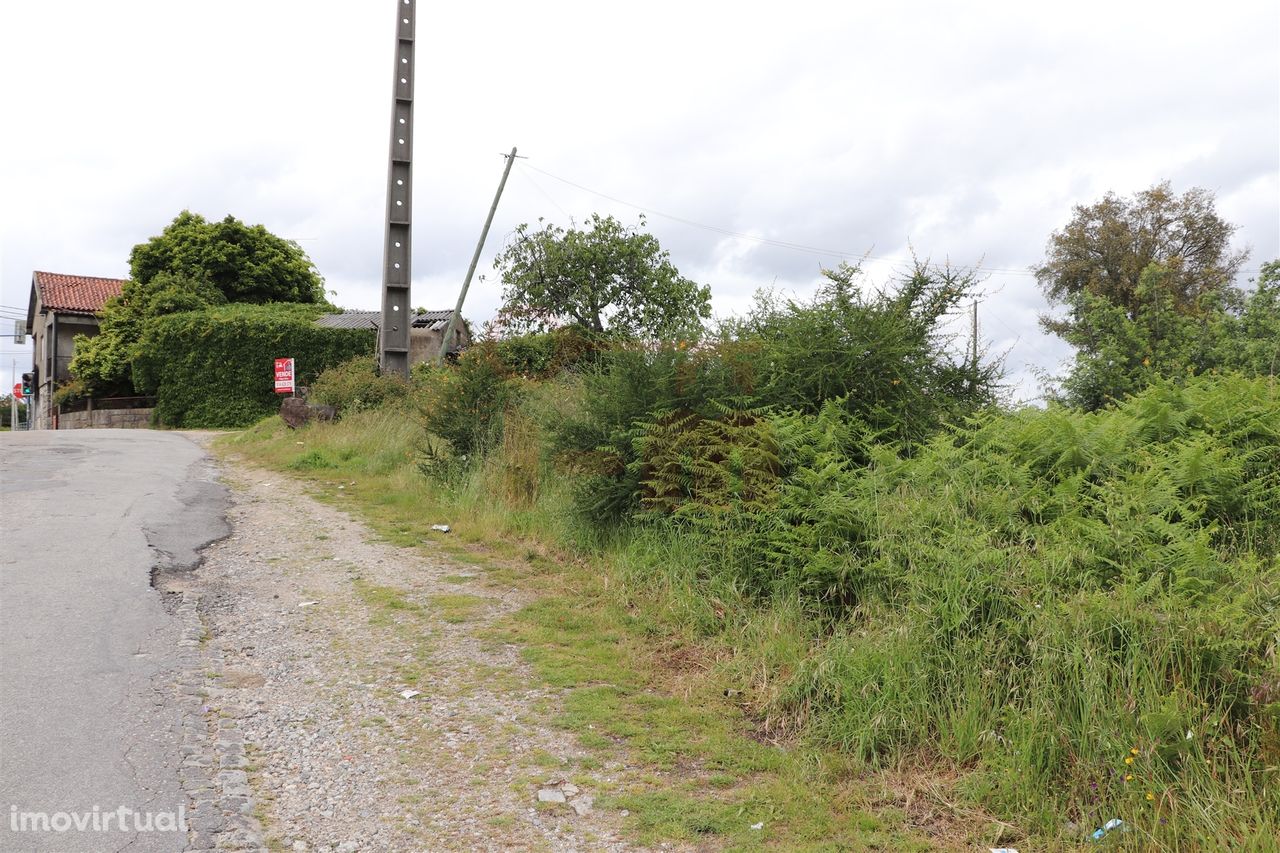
{"x": 973, "y": 351}
{"x": 475, "y": 259}
{"x": 393, "y": 336}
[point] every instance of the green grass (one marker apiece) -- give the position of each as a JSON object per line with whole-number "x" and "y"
{"x": 701, "y": 771}
{"x": 456, "y": 609}
{"x": 950, "y": 650}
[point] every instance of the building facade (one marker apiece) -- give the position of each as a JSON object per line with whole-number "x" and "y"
{"x": 61, "y": 307}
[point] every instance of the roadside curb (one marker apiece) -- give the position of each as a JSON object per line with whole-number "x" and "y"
{"x": 213, "y": 771}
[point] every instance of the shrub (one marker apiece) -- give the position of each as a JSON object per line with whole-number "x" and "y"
{"x": 882, "y": 353}
{"x": 544, "y": 356}
{"x": 463, "y": 403}
{"x": 213, "y": 368}
{"x": 356, "y": 385}
{"x": 1041, "y": 592}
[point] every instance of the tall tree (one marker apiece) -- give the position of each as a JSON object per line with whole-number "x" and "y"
{"x": 247, "y": 263}
{"x": 191, "y": 264}
{"x": 606, "y": 278}
{"x": 1107, "y": 245}
{"x": 1147, "y": 287}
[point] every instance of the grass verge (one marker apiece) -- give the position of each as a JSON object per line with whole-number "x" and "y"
{"x": 653, "y": 668}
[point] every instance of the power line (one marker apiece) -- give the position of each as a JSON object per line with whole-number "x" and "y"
{"x": 545, "y": 194}
{"x": 782, "y": 244}
{"x": 728, "y": 232}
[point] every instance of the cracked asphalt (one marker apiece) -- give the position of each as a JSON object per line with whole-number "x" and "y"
{"x": 89, "y": 653}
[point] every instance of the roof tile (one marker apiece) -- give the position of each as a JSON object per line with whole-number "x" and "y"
{"x": 79, "y": 293}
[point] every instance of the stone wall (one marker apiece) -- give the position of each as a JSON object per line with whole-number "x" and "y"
{"x": 106, "y": 419}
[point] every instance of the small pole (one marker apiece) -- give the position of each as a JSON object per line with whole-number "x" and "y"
{"x": 973, "y": 351}
{"x": 475, "y": 259}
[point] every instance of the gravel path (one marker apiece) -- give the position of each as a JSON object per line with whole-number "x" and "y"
{"x": 313, "y": 633}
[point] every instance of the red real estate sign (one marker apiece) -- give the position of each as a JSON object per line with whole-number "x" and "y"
{"x": 284, "y": 376}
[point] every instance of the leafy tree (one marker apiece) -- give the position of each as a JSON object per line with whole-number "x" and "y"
{"x": 607, "y": 277}
{"x": 1106, "y": 246}
{"x": 1147, "y": 284}
{"x": 191, "y": 265}
{"x": 1120, "y": 352}
{"x": 103, "y": 363}
{"x": 245, "y": 263}
{"x": 1252, "y": 343}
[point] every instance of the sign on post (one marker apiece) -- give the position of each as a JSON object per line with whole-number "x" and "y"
{"x": 284, "y": 376}
{"x": 17, "y": 390}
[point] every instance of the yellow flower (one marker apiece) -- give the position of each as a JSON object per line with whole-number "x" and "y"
{"x": 1128, "y": 777}
{"x": 1150, "y": 796}
{"x": 1134, "y": 750}
{"x": 1128, "y": 759}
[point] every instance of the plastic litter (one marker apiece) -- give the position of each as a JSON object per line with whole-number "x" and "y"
{"x": 1114, "y": 823}
{"x": 1004, "y": 849}
{"x": 307, "y": 603}
{"x": 409, "y": 694}
{"x": 759, "y": 825}
{"x": 443, "y": 528}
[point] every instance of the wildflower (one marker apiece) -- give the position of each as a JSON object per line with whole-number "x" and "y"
{"x": 1150, "y": 796}
{"x": 1128, "y": 759}
{"x": 1134, "y": 751}
{"x": 1128, "y": 777}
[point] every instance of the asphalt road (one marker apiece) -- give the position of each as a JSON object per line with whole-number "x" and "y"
{"x": 88, "y": 652}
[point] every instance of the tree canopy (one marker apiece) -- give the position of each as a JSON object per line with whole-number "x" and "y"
{"x": 192, "y": 264}
{"x": 607, "y": 278}
{"x": 1148, "y": 288}
{"x": 245, "y": 263}
{"x": 1105, "y": 248}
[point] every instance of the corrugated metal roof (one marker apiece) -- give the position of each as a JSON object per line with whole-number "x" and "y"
{"x": 434, "y": 320}
{"x": 350, "y": 320}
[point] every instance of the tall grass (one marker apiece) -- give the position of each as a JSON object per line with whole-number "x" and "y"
{"x": 1077, "y": 614}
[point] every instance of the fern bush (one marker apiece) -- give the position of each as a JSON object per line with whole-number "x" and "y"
{"x": 1044, "y": 594}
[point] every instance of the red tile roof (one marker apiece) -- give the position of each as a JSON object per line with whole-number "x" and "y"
{"x": 82, "y": 294}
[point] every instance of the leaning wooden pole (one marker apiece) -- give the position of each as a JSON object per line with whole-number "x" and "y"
{"x": 393, "y": 338}
{"x": 475, "y": 259}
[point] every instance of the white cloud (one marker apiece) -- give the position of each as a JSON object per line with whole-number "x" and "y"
{"x": 966, "y": 130}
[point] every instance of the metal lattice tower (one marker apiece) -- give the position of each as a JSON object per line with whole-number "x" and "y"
{"x": 396, "y": 318}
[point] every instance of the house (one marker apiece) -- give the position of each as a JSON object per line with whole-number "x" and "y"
{"x": 61, "y": 307}
{"x": 426, "y": 332}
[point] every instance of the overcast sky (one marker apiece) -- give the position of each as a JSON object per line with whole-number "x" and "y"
{"x": 965, "y": 130}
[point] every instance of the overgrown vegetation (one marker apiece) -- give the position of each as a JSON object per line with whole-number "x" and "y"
{"x": 1048, "y": 618}
{"x": 193, "y": 264}
{"x": 356, "y": 385}
{"x": 212, "y": 368}
{"x": 1148, "y": 289}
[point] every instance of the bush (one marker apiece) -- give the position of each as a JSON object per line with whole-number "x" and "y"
{"x": 213, "y": 368}
{"x": 664, "y": 422}
{"x": 356, "y": 385}
{"x": 1041, "y": 592}
{"x": 463, "y": 403}
{"x": 544, "y": 356}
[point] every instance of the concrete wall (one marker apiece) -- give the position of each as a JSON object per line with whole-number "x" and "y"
{"x": 106, "y": 419}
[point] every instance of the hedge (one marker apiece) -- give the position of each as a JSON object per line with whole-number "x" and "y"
{"x": 215, "y": 367}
